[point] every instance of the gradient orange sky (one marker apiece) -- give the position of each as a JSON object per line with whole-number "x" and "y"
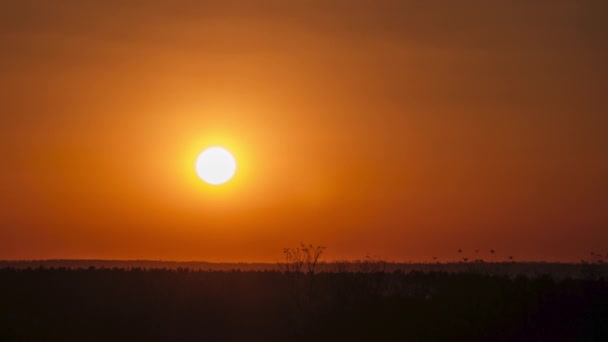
{"x": 400, "y": 129}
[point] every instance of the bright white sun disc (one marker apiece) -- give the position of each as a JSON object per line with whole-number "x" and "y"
{"x": 215, "y": 165}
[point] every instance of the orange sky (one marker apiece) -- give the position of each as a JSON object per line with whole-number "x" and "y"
{"x": 402, "y": 129}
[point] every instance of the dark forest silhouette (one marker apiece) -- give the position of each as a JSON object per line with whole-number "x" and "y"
{"x": 303, "y": 301}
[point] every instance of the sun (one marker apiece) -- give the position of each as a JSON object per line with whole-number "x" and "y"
{"x": 215, "y": 165}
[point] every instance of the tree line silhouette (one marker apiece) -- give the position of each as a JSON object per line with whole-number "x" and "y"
{"x": 300, "y": 301}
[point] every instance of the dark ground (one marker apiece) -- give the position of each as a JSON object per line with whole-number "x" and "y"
{"x": 181, "y": 305}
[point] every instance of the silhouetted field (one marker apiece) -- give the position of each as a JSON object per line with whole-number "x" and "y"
{"x": 108, "y": 304}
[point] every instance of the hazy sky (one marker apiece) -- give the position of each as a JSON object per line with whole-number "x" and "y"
{"x": 400, "y": 129}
